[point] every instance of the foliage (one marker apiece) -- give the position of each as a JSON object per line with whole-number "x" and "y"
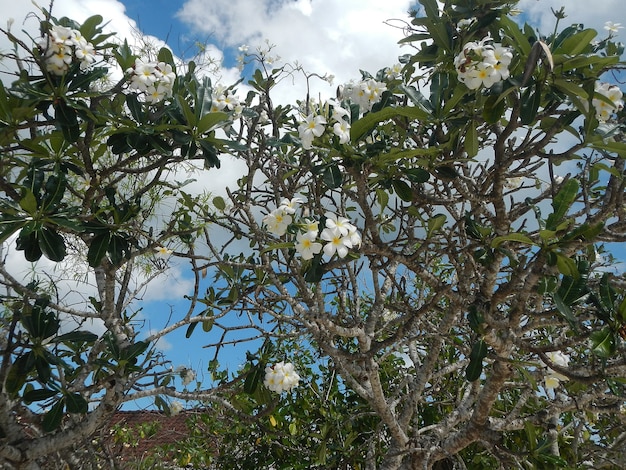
{"x": 465, "y": 310}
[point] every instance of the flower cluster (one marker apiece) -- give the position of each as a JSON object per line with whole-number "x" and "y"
{"x": 339, "y": 234}
{"x": 314, "y": 125}
{"x": 187, "y": 375}
{"x": 281, "y": 377}
{"x": 365, "y": 93}
{"x": 61, "y": 46}
{"x": 153, "y": 79}
{"x": 553, "y": 378}
{"x": 224, "y": 99}
{"x": 483, "y": 63}
{"x": 604, "y": 108}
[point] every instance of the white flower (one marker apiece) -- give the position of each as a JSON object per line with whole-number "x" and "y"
{"x": 155, "y": 80}
{"x": 394, "y": 72}
{"x": 342, "y": 130}
{"x": 176, "y": 407}
{"x": 163, "y": 251}
{"x": 465, "y": 23}
{"x": 187, "y": 376}
{"x": 289, "y": 206}
{"x": 337, "y": 243}
{"x": 603, "y": 108}
{"x": 277, "y": 222}
{"x": 306, "y": 245}
{"x": 613, "y": 27}
{"x": 553, "y": 378}
{"x": 281, "y": 377}
{"x": 311, "y": 227}
{"x": 483, "y": 63}
{"x": 551, "y": 382}
{"x": 334, "y": 221}
{"x": 311, "y": 127}
{"x": 513, "y": 182}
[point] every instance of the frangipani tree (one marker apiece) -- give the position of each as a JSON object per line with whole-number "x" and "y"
{"x": 92, "y": 193}
{"x": 428, "y": 256}
{"x": 443, "y": 233}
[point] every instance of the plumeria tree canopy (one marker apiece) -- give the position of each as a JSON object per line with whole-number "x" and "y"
{"x": 425, "y": 267}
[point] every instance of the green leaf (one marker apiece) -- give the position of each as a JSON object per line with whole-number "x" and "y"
{"x": 98, "y": 248}
{"x": 494, "y": 108}
{"x": 253, "y": 378}
{"x": 135, "y": 107}
{"x": 39, "y": 395}
{"x": 75, "y": 403}
{"x": 29, "y": 202}
{"x": 165, "y": 55}
{"x": 52, "y": 244}
{"x": 382, "y": 197}
{"x": 518, "y": 38}
{"x": 18, "y": 373}
{"x": 403, "y": 190}
{"x": 367, "y": 123}
{"x": 603, "y": 342}
{"x": 434, "y": 224}
{"x": 67, "y": 119}
{"x": 567, "y": 266}
{"x": 512, "y": 237}
{"x": 475, "y": 366}
{"x": 55, "y": 189}
{"x": 208, "y": 121}
{"x": 77, "y": 337}
{"x": 576, "y": 43}
{"x": 219, "y": 203}
{"x": 190, "y": 328}
{"x": 52, "y": 419}
{"x": 562, "y": 202}
{"x": 471, "y": 138}
{"x": 564, "y": 309}
{"x": 531, "y": 99}
{"x": 332, "y": 177}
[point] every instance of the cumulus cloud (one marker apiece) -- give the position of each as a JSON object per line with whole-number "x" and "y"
{"x": 591, "y": 14}
{"x": 324, "y": 36}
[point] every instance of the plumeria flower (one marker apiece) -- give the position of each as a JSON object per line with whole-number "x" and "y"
{"x": 465, "y": 23}
{"x": 613, "y": 28}
{"x": 156, "y": 94}
{"x": 339, "y": 113}
{"x": 187, "y": 376}
{"x": 337, "y": 243}
{"x": 311, "y": 127}
{"x": 155, "y": 80}
{"x": 281, "y": 377}
{"x": 176, "y": 407}
{"x": 289, "y": 206}
{"x": 342, "y": 130}
{"x": 277, "y": 222}
{"x": 311, "y": 227}
{"x": 306, "y": 245}
{"x": 553, "y": 378}
{"x": 355, "y": 236}
{"x": 334, "y": 221}
{"x": 603, "y": 109}
{"x": 84, "y": 52}
{"x": 513, "y": 182}
{"x": 483, "y": 63}
{"x": 62, "y": 35}
{"x": 394, "y": 72}
{"x": 484, "y": 74}
{"x": 162, "y": 251}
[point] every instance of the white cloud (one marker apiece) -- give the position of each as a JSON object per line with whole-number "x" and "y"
{"x": 591, "y": 14}
{"x": 325, "y": 36}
